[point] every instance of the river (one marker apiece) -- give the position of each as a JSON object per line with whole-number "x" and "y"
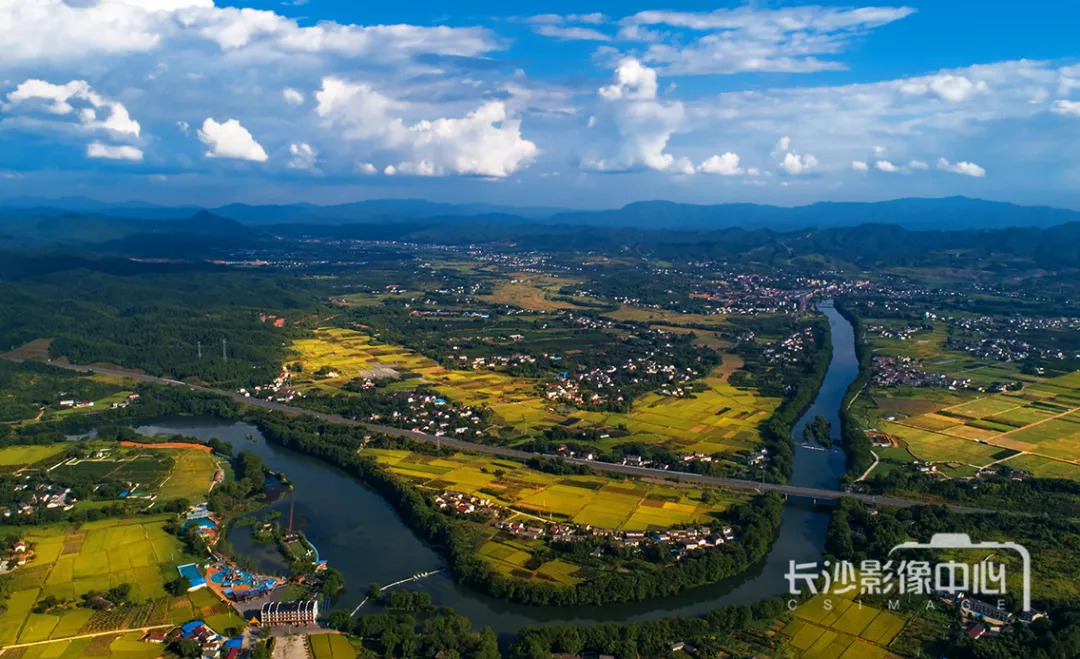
{"x": 361, "y": 535}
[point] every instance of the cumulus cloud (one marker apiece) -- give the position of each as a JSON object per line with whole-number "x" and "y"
{"x": 485, "y": 142}
{"x": 1066, "y": 108}
{"x": 303, "y": 156}
{"x": 292, "y": 96}
{"x": 113, "y": 152}
{"x": 918, "y": 164}
{"x": 230, "y": 139}
{"x": 367, "y": 169}
{"x": 859, "y": 165}
{"x": 726, "y": 164}
{"x": 791, "y": 162}
{"x": 94, "y": 112}
{"x": 963, "y": 167}
{"x": 642, "y": 124}
{"x": 947, "y": 87}
{"x": 791, "y": 39}
{"x": 886, "y": 166}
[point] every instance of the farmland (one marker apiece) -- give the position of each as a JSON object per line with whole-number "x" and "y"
{"x": 835, "y": 626}
{"x": 718, "y": 419}
{"x": 169, "y": 473}
{"x": 97, "y": 556}
{"x": 587, "y": 500}
{"x": 330, "y": 646}
{"x": 20, "y": 456}
{"x": 1035, "y": 430}
{"x": 1033, "y": 427}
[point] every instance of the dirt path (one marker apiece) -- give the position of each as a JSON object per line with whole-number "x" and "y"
{"x": 116, "y": 632}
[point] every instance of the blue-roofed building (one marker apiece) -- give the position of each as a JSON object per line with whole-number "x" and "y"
{"x": 191, "y": 571}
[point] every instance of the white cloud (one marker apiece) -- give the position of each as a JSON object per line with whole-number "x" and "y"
{"x": 120, "y": 27}
{"x": 886, "y": 166}
{"x": 750, "y": 39}
{"x": 113, "y": 152}
{"x": 797, "y": 165}
{"x": 726, "y": 164}
{"x": 859, "y": 165}
{"x": 303, "y": 156}
{"x": 595, "y": 18}
{"x": 367, "y": 169}
{"x": 791, "y": 162}
{"x": 571, "y": 33}
{"x": 1066, "y": 108}
{"x": 58, "y": 100}
{"x": 230, "y": 139}
{"x": 642, "y": 124}
{"x": 485, "y": 142}
{"x": 292, "y": 96}
{"x": 918, "y": 164}
{"x": 963, "y": 167}
{"x": 947, "y": 87}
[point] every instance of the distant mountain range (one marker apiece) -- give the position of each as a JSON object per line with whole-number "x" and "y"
{"x": 951, "y": 213}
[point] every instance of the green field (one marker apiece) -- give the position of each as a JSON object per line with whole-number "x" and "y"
{"x": 1041, "y": 422}
{"x": 330, "y": 646}
{"x": 96, "y": 556}
{"x": 18, "y": 456}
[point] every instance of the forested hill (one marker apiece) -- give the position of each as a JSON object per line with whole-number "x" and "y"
{"x": 914, "y": 213}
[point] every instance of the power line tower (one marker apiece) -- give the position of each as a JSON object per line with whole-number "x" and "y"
{"x": 224, "y": 355}
{"x": 198, "y": 347}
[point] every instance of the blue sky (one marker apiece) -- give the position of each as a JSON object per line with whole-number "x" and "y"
{"x": 557, "y": 103}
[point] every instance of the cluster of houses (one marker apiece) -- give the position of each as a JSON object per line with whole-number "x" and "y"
{"x": 279, "y": 389}
{"x": 131, "y": 398}
{"x": 40, "y": 494}
{"x": 591, "y": 387}
{"x": 1007, "y": 349}
{"x": 902, "y": 370}
{"x": 901, "y": 333}
{"x": 982, "y": 619}
{"x": 467, "y": 504}
{"x": 790, "y": 349}
{"x": 681, "y": 541}
{"x": 212, "y": 645}
{"x": 15, "y": 556}
{"x": 431, "y": 414}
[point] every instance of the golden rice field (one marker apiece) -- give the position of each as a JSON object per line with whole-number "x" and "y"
{"x": 1041, "y": 423}
{"x": 722, "y": 419}
{"x": 590, "y": 500}
{"x": 351, "y": 354}
{"x": 829, "y": 626}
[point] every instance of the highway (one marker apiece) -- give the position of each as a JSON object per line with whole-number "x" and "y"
{"x": 812, "y": 494}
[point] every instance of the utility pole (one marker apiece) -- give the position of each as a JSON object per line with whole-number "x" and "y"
{"x": 224, "y": 355}
{"x": 198, "y": 345}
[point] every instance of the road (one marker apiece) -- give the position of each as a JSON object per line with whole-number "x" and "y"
{"x": 813, "y": 494}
